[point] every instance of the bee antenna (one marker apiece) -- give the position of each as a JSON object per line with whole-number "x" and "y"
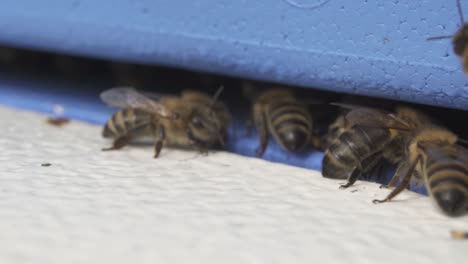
{"x": 462, "y": 20}
{"x": 460, "y": 13}
{"x": 463, "y": 141}
{"x": 215, "y": 99}
{"x": 221, "y": 140}
{"x": 216, "y": 95}
{"x": 438, "y": 38}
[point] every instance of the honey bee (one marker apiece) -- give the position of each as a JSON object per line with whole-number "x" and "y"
{"x": 279, "y": 113}
{"x": 369, "y": 138}
{"x": 192, "y": 120}
{"x": 459, "y": 40}
{"x": 433, "y": 153}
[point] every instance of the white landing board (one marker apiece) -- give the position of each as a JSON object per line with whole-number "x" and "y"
{"x": 116, "y": 207}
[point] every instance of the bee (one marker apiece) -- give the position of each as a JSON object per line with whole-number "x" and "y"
{"x": 433, "y": 153}
{"x": 459, "y": 40}
{"x": 191, "y": 120}
{"x": 368, "y": 139}
{"x": 279, "y": 113}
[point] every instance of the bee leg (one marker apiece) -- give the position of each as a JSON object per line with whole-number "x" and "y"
{"x": 405, "y": 182}
{"x": 391, "y": 184}
{"x": 118, "y": 143}
{"x": 261, "y": 124}
{"x": 157, "y": 148}
{"x": 203, "y": 151}
{"x": 366, "y": 165}
{"x": 379, "y": 168}
{"x": 401, "y": 170}
{"x": 161, "y": 135}
{"x": 352, "y": 178}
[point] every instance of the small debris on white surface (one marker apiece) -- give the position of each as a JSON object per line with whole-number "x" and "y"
{"x": 126, "y": 207}
{"x": 57, "y": 121}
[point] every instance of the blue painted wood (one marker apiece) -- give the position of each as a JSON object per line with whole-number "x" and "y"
{"x": 375, "y": 48}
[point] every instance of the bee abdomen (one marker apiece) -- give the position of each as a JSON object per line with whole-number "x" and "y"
{"x": 350, "y": 149}
{"x": 124, "y": 121}
{"x": 339, "y": 159}
{"x": 291, "y": 124}
{"x": 448, "y": 182}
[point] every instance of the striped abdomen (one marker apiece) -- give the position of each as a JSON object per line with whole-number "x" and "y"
{"x": 290, "y": 124}
{"x": 126, "y": 121}
{"x": 447, "y": 181}
{"x": 350, "y": 150}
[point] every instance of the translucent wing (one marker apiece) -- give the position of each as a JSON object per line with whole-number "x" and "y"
{"x": 463, "y": 142}
{"x": 346, "y": 106}
{"x": 352, "y": 106}
{"x": 435, "y": 151}
{"x": 156, "y": 96}
{"x": 129, "y": 97}
{"x": 445, "y": 153}
{"x": 369, "y": 117}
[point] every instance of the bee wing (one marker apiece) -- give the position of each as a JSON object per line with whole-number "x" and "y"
{"x": 129, "y": 97}
{"x": 156, "y": 96}
{"x": 369, "y": 117}
{"x": 437, "y": 152}
{"x": 463, "y": 142}
{"x": 347, "y": 106}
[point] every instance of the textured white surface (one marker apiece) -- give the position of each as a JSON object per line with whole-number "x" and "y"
{"x": 125, "y": 207}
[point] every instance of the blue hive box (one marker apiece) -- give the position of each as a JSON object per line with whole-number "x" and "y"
{"x": 375, "y": 48}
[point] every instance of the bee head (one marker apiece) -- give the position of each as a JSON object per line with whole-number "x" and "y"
{"x": 460, "y": 40}
{"x": 205, "y": 127}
